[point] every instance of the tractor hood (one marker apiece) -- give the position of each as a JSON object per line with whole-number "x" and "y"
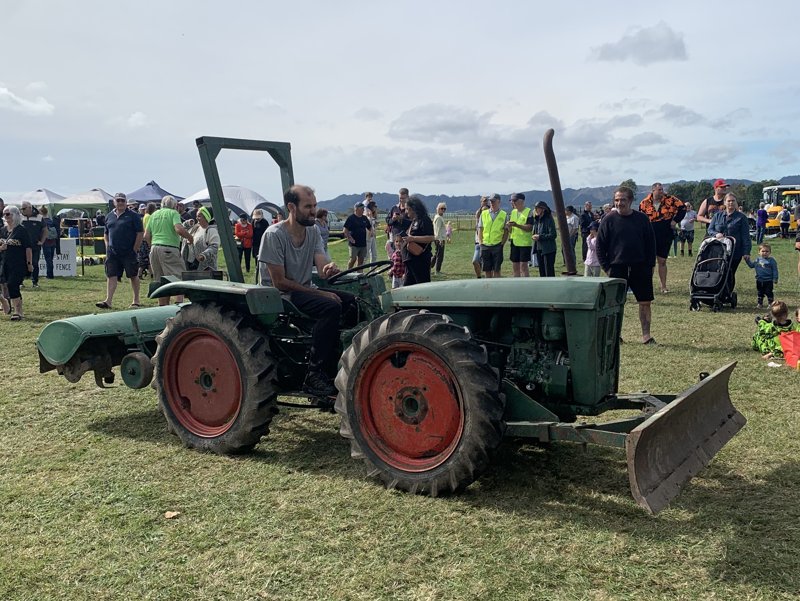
{"x": 566, "y": 293}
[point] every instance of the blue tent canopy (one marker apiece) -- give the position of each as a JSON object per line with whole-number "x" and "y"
{"x": 151, "y": 192}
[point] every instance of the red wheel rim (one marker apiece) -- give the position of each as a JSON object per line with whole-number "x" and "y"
{"x": 409, "y": 406}
{"x": 203, "y": 382}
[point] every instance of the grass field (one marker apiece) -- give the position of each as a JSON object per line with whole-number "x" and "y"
{"x": 88, "y": 474}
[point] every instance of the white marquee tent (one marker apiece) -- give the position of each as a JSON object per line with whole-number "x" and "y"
{"x": 37, "y": 198}
{"x": 89, "y": 201}
{"x": 239, "y": 200}
{"x": 40, "y": 197}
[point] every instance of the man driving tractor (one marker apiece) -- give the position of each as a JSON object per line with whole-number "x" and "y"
{"x": 290, "y": 249}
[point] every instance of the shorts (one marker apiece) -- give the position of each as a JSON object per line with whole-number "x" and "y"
{"x": 520, "y": 254}
{"x": 639, "y": 277}
{"x": 358, "y": 252}
{"x": 166, "y": 260}
{"x": 117, "y": 263}
{"x": 492, "y": 257}
{"x": 476, "y": 257}
{"x": 664, "y": 236}
{"x": 686, "y": 236}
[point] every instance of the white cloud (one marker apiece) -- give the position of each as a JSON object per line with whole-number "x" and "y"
{"x": 137, "y": 120}
{"x": 784, "y": 155}
{"x": 438, "y": 123}
{"x": 710, "y": 156}
{"x": 645, "y": 46}
{"x": 595, "y": 134}
{"x": 731, "y": 119}
{"x": 48, "y": 159}
{"x": 679, "y": 116}
{"x": 269, "y": 105}
{"x": 544, "y": 121}
{"x": 36, "y": 107}
{"x": 36, "y": 86}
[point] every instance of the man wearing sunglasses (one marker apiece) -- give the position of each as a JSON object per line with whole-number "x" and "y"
{"x": 123, "y": 236}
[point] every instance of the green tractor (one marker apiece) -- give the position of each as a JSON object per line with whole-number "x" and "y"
{"x": 431, "y": 377}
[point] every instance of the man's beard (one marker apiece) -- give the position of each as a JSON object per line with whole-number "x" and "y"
{"x": 308, "y": 221}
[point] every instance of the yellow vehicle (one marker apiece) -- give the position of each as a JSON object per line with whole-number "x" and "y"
{"x": 789, "y": 198}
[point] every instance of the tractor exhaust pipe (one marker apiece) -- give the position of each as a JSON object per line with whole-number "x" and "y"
{"x": 558, "y": 200}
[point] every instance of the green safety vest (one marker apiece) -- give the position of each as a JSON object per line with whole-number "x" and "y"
{"x": 520, "y": 237}
{"x": 493, "y": 228}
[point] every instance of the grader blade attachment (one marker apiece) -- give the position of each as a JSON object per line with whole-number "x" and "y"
{"x": 666, "y": 450}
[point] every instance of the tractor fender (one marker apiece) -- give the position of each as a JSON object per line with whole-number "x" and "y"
{"x": 254, "y": 299}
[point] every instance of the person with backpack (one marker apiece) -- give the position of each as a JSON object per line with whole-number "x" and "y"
{"x": 49, "y": 246}
{"x": 785, "y": 218}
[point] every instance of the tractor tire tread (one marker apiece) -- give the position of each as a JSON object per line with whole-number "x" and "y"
{"x": 479, "y": 382}
{"x": 259, "y": 395}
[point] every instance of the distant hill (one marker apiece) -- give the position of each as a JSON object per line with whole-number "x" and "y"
{"x": 343, "y": 203}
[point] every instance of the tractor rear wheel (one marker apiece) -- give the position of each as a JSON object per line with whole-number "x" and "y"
{"x": 420, "y": 403}
{"x": 215, "y": 379}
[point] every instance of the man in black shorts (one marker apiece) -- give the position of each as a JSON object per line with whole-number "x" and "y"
{"x": 520, "y": 224}
{"x": 493, "y": 236}
{"x": 123, "y": 236}
{"x": 626, "y": 248}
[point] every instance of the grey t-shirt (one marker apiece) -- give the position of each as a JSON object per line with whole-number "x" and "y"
{"x": 277, "y": 249}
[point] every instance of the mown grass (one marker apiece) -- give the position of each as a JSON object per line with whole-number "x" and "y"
{"x": 87, "y": 475}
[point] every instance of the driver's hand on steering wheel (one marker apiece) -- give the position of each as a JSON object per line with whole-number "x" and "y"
{"x": 330, "y": 270}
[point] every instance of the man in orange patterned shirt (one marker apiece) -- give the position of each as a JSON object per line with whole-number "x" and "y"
{"x": 663, "y": 211}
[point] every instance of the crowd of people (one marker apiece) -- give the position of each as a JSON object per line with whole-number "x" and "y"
{"x": 619, "y": 241}
{"x": 140, "y": 239}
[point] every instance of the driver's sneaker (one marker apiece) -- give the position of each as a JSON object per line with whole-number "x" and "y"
{"x": 318, "y": 384}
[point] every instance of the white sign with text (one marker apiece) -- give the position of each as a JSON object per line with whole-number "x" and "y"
{"x": 65, "y": 263}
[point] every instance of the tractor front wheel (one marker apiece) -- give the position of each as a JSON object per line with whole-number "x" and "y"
{"x": 420, "y": 403}
{"x": 215, "y": 379}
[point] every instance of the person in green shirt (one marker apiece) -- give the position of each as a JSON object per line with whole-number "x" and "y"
{"x": 767, "y": 339}
{"x": 163, "y": 233}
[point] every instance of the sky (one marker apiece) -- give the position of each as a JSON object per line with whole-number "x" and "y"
{"x": 441, "y": 97}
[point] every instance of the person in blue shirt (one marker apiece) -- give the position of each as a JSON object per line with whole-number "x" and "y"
{"x": 733, "y": 223}
{"x": 761, "y": 223}
{"x": 123, "y": 237}
{"x": 766, "y": 274}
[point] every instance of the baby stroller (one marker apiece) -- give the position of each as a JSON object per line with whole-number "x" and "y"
{"x": 710, "y": 283}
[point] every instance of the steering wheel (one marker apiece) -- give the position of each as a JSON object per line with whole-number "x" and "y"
{"x": 375, "y": 268}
